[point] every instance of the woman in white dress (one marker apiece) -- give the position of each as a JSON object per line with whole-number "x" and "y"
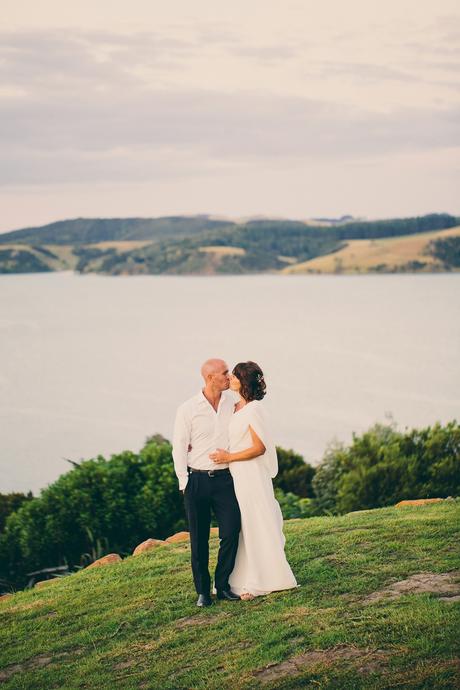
{"x": 261, "y": 566}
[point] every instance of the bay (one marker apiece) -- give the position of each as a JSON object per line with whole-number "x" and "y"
{"x": 94, "y": 364}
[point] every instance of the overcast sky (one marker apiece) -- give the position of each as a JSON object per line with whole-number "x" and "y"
{"x": 255, "y": 107}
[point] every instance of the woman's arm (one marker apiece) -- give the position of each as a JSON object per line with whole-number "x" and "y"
{"x": 223, "y": 456}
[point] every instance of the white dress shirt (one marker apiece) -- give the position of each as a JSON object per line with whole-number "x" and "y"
{"x": 200, "y": 426}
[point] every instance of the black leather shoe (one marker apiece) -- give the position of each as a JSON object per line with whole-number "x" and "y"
{"x": 228, "y": 595}
{"x": 204, "y": 600}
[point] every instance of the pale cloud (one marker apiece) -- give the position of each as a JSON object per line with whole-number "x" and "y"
{"x": 367, "y": 72}
{"x": 114, "y": 137}
{"x": 158, "y": 98}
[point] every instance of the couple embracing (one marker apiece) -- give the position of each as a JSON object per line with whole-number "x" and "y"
{"x": 225, "y": 460}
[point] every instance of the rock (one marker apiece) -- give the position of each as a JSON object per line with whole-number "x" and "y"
{"x": 418, "y": 502}
{"x": 147, "y": 545}
{"x": 4, "y": 597}
{"x": 45, "y": 583}
{"x": 105, "y": 560}
{"x": 185, "y": 536}
{"x": 451, "y": 600}
{"x": 180, "y": 536}
{"x": 447, "y": 584}
{"x": 360, "y": 660}
{"x": 35, "y": 662}
{"x": 190, "y": 621}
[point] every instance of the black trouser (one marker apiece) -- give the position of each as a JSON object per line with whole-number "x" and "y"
{"x": 202, "y": 494}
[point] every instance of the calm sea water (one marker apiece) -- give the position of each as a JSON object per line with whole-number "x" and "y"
{"x": 93, "y": 364}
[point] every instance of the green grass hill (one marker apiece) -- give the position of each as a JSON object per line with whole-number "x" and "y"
{"x": 201, "y": 245}
{"x": 377, "y": 607}
{"x": 89, "y": 230}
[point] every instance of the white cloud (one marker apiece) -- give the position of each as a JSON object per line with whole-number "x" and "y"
{"x": 85, "y": 114}
{"x": 135, "y": 96}
{"x": 116, "y": 137}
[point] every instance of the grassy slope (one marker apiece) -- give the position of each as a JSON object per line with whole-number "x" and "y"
{"x": 201, "y": 245}
{"x": 87, "y": 230}
{"x": 64, "y": 258}
{"x": 135, "y": 624}
{"x": 360, "y": 256}
{"x": 198, "y": 245}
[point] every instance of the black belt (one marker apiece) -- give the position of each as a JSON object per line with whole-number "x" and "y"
{"x": 210, "y": 473}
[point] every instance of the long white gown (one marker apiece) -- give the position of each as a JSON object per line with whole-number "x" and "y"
{"x": 261, "y": 566}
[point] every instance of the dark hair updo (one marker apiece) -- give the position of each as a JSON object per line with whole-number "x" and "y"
{"x": 251, "y": 377}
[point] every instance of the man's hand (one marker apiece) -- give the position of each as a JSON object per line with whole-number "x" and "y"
{"x": 220, "y": 456}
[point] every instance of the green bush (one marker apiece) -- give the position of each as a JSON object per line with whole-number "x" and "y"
{"x": 327, "y": 479}
{"x": 11, "y": 502}
{"x": 293, "y": 506}
{"x": 119, "y": 502}
{"x": 447, "y": 249}
{"x": 294, "y": 474}
{"x": 384, "y": 466}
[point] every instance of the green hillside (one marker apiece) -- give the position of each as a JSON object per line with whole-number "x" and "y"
{"x": 360, "y": 618}
{"x": 200, "y": 245}
{"x": 89, "y": 230}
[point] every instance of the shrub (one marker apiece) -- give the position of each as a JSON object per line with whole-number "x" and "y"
{"x": 384, "y": 466}
{"x": 120, "y": 502}
{"x": 293, "y": 506}
{"x": 294, "y": 474}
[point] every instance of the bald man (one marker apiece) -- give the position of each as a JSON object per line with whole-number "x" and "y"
{"x": 201, "y": 426}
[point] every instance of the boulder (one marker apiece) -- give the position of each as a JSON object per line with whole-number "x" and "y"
{"x": 185, "y": 536}
{"x": 45, "y": 583}
{"x": 147, "y": 545}
{"x": 418, "y": 502}
{"x": 178, "y": 537}
{"x": 105, "y": 560}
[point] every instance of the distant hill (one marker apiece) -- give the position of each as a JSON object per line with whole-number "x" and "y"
{"x": 423, "y": 252}
{"x": 201, "y": 245}
{"x": 90, "y": 230}
{"x": 334, "y": 221}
